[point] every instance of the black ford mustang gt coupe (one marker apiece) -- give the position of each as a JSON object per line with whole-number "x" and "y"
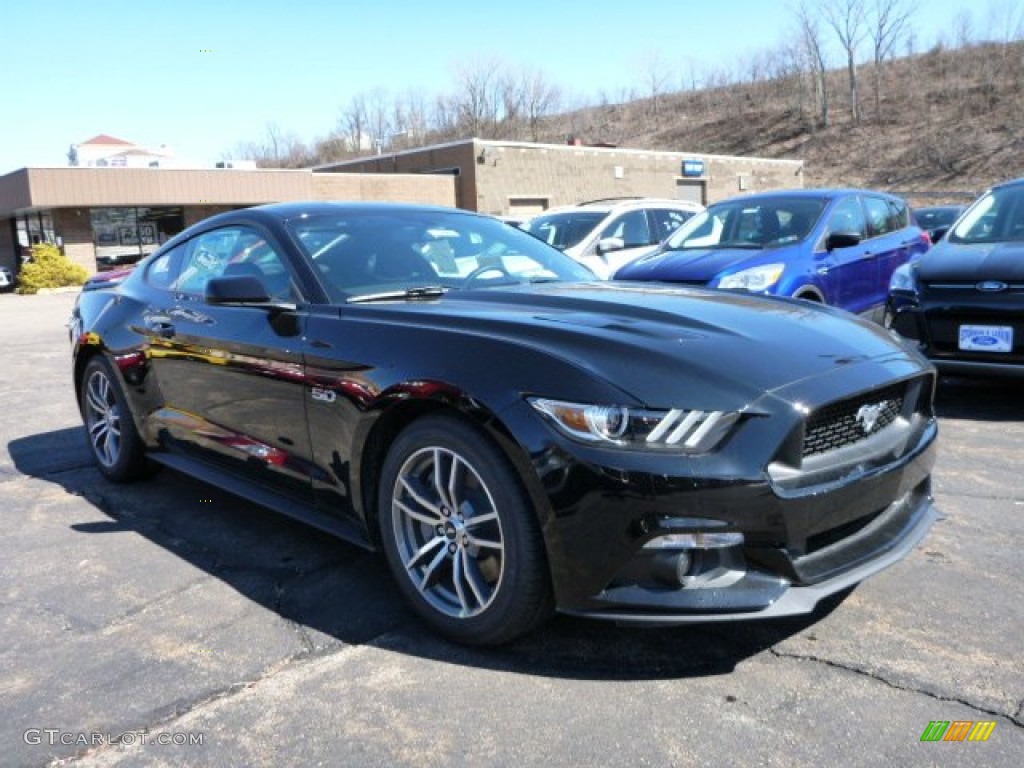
{"x": 514, "y": 434}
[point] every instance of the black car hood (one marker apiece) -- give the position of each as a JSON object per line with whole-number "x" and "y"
{"x": 663, "y": 344}
{"x": 972, "y": 262}
{"x": 690, "y": 264}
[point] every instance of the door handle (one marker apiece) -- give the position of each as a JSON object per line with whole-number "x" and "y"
{"x": 162, "y": 329}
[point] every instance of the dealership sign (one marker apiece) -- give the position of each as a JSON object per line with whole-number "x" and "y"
{"x": 693, "y": 167}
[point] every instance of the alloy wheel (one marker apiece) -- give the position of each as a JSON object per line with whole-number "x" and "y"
{"x": 448, "y": 532}
{"x": 102, "y": 418}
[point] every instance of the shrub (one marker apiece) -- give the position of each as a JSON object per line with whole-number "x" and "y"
{"x": 49, "y": 268}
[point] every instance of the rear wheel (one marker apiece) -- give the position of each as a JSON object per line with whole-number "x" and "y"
{"x": 113, "y": 440}
{"x": 460, "y": 534}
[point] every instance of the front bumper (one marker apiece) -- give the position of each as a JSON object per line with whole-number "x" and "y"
{"x": 933, "y": 322}
{"x": 806, "y": 533}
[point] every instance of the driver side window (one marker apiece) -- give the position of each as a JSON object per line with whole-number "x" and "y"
{"x": 631, "y": 228}
{"x": 234, "y": 251}
{"x": 848, "y": 216}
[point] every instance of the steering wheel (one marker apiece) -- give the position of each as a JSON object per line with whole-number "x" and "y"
{"x": 468, "y": 279}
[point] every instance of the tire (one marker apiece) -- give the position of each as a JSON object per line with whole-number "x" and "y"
{"x": 110, "y": 432}
{"x": 460, "y": 534}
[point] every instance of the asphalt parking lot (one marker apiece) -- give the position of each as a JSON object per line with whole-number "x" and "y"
{"x": 168, "y": 611}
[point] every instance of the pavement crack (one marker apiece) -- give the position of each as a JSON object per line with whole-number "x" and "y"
{"x": 1013, "y": 718}
{"x": 162, "y": 718}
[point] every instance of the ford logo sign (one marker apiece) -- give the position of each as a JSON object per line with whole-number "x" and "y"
{"x": 985, "y": 341}
{"x": 992, "y": 286}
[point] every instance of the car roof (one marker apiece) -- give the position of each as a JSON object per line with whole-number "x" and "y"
{"x": 607, "y": 205}
{"x": 823, "y": 193}
{"x": 1011, "y": 183}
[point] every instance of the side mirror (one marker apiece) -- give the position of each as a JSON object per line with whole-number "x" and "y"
{"x": 842, "y": 240}
{"x": 610, "y": 244}
{"x": 236, "y": 289}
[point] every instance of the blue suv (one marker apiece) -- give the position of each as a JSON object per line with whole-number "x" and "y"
{"x": 834, "y": 246}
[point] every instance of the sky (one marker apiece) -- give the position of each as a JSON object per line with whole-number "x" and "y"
{"x": 201, "y": 77}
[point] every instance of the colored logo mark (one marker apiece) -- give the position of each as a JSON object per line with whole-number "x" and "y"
{"x": 958, "y": 730}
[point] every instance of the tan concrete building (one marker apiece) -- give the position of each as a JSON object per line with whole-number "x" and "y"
{"x": 519, "y": 178}
{"x": 103, "y": 215}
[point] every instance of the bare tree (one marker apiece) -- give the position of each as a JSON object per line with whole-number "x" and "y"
{"x": 540, "y": 98}
{"x": 378, "y": 113}
{"x": 890, "y": 21}
{"x": 1005, "y": 20}
{"x": 814, "y": 49}
{"x": 655, "y": 75}
{"x": 278, "y": 149}
{"x": 847, "y": 19}
{"x": 963, "y": 28}
{"x": 478, "y": 89}
{"x": 353, "y": 124}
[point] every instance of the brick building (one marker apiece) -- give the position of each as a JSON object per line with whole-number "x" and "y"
{"x": 519, "y": 178}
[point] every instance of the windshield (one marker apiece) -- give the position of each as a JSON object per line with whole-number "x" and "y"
{"x": 930, "y": 218}
{"x": 750, "y": 223}
{"x": 566, "y": 229}
{"x": 998, "y": 216}
{"x": 359, "y": 253}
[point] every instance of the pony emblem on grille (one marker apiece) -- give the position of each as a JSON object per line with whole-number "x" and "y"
{"x": 868, "y": 415}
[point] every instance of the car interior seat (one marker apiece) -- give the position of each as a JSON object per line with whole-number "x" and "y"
{"x": 767, "y": 225}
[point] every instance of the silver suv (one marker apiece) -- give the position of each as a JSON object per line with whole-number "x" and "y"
{"x": 607, "y": 234}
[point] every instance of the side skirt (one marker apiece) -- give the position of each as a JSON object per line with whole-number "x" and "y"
{"x": 343, "y": 529}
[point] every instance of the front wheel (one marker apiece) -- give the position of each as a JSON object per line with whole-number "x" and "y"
{"x": 113, "y": 440}
{"x": 460, "y": 534}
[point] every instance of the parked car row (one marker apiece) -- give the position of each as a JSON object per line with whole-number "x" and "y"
{"x": 700, "y": 439}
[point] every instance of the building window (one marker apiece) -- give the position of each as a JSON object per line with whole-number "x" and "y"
{"x": 125, "y": 235}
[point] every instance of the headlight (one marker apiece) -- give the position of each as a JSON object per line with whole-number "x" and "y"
{"x": 754, "y": 279}
{"x": 679, "y": 430}
{"x": 903, "y": 279}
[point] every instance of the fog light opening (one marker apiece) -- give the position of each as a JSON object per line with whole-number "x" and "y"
{"x": 673, "y": 568}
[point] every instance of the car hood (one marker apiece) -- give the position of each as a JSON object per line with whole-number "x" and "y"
{"x": 663, "y": 344}
{"x": 972, "y": 262}
{"x": 691, "y": 264}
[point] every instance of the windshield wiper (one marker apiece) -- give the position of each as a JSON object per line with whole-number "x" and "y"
{"x": 412, "y": 294}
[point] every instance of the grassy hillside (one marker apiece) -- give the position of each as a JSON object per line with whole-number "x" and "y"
{"x": 951, "y": 123}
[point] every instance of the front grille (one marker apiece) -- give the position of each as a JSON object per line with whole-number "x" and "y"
{"x": 846, "y": 422}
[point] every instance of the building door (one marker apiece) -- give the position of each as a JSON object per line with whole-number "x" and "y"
{"x": 527, "y": 206}
{"x": 691, "y": 191}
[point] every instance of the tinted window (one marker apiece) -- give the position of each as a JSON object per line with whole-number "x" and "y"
{"x": 234, "y": 251}
{"x": 631, "y": 228}
{"x": 566, "y": 229}
{"x": 162, "y": 271}
{"x": 878, "y": 216}
{"x": 847, "y": 216}
{"x": 667, "y": 221}
{"x": 899, "y": 215}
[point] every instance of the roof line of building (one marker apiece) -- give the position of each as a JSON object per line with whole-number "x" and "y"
{"x": 555, "y": 147}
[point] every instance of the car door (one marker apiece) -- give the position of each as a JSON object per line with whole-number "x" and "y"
{"x": 905, "y": 240}
{"x": 635, "y": 232}
{"x": 848, "y": 275}
{"x": 886, "y": 244}
{"x": 231, "y": 377}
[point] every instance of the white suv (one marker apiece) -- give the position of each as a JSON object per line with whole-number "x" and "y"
{"x": 606, "y": 234}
